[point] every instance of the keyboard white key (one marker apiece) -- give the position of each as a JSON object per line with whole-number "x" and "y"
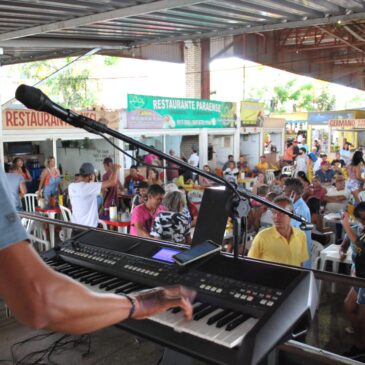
{"x": 201, "y": 329}
{"x": 235, "y": 337}
{"x": 171, "y": 319}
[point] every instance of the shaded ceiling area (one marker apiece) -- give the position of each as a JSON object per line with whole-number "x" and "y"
{"x": 324, "y": 39}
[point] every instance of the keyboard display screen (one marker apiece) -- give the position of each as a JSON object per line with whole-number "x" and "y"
{"x": 165, "y": 255}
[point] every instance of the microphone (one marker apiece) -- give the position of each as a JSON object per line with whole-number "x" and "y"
{"x": 34, "y": 98}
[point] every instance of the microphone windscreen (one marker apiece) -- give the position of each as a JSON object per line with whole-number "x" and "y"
{"x": 30, "y": 96}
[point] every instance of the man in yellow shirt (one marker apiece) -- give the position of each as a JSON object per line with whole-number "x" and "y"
{"x": 263, "y": 165}
{"x": 281, "y": 243}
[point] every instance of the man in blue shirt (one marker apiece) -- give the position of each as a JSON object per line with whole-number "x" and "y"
{"x": 40, "y": 297}
{"x": 325, "y": 173}
{"x": 293, "y": 189}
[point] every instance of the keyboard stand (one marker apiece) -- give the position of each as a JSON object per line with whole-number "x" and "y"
{"x": 171, "y": 357}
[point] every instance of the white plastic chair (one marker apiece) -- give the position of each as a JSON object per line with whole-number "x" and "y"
{"x": 30, "y": 202}
{"x": 362, "y": 196}
{"x": 65, "y": 233}
{"x": 38, "y": 237}
{"x": 315, "y": 254}
{"x": 36, "y": 230}
{"x": 269, "y": 176}
{"x": 288, "y": 170}
{"x": 103, "y": 224}
{"x": 331, "y": 254}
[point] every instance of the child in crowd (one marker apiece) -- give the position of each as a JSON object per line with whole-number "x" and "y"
{"x": 231, "y": 172}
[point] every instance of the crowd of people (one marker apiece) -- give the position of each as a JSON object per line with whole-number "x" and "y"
{"x": 312, "y": 187}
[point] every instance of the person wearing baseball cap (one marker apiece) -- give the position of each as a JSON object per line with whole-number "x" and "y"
{"x": 83, "y": 194}
{"x": 325, "y": 173}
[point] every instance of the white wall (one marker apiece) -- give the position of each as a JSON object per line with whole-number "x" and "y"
{"x": 45, "y": 148}
{"x": 72, "y": 158}
{"x": 222, "y": 146}
{"x": 173, "y": 142}
{"x": 250, "y": 145}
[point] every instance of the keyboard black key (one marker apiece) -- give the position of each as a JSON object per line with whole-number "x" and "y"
{"x": 63, "y": 268}
{"x": 81, "y": 273}
{"x": 111, "y": 281}
{"x": 236, "y": 322}
{"x": 204, "y": 313}
{"x": 61, "y": 265}
{"x": 132, "y": 289}
{"x": 96, "y": 281}
{"x": 123, "y": 287}
{"x": 88, "y": 276}
{"x": 71, "y": 270}
{"x": 88, "y": 280}
{"x": 116, "y": 285}
{"x": 217, "y": 316}
{"x": 228, "y": 318}
{"x": 199, "y": 308}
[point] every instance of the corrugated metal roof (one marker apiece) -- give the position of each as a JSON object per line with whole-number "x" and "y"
{"x": 39, "y": 29}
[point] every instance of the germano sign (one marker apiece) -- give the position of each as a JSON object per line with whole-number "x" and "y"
{"x": 349, "y": 123}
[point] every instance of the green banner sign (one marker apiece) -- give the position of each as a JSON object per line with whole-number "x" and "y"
{"x": 159, "y": 112}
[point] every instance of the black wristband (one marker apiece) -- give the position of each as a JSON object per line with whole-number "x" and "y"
{"x": 133, "y": 306}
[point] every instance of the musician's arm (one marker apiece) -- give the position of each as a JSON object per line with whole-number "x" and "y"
{"x": 41, "y": 298}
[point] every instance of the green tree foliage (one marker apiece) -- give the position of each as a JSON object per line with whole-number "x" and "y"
{"x": 301, "y": 97}
{"x": 69, "y": 87}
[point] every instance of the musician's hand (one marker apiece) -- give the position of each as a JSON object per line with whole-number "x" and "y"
{"x": 152, "y": 301}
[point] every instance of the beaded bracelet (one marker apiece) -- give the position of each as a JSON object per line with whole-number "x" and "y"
{"x": 133, "y": 305}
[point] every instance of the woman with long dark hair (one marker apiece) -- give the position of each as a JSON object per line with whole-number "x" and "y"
{"x": 355, "y": 183}
{"x": 21, "y": 169}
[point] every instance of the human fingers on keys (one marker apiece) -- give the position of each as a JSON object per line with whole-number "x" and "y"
{"x": 152, "y": 301}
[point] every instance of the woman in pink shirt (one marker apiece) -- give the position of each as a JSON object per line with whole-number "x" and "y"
{"x": 151, "y": 159}
{"x": 143, "y": 215}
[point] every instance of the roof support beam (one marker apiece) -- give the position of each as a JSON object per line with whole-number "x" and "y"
{"x": 100, "y": 17}
{"x": 62, "y": 43}
{"x": 259, "y": 28}
{"x": 341, "y": 39}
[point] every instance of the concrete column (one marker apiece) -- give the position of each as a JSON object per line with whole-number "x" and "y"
{"x": 197, "y": 74}
{"x": 192, "y": 56}
{"x": 236, "y": 141}
{"x": 119, "y": 159}
{"x": 164, "y": 162}
{"x": 54, "y": 149}
{"x": 203, "y": 147}
{"x": 205, "y": 71}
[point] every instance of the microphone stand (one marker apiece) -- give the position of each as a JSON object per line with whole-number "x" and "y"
{"x": 96, "y": 127}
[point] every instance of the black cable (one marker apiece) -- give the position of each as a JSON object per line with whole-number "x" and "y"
{"x": 20, "y": 343}
{"x": 44, "y": 356}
